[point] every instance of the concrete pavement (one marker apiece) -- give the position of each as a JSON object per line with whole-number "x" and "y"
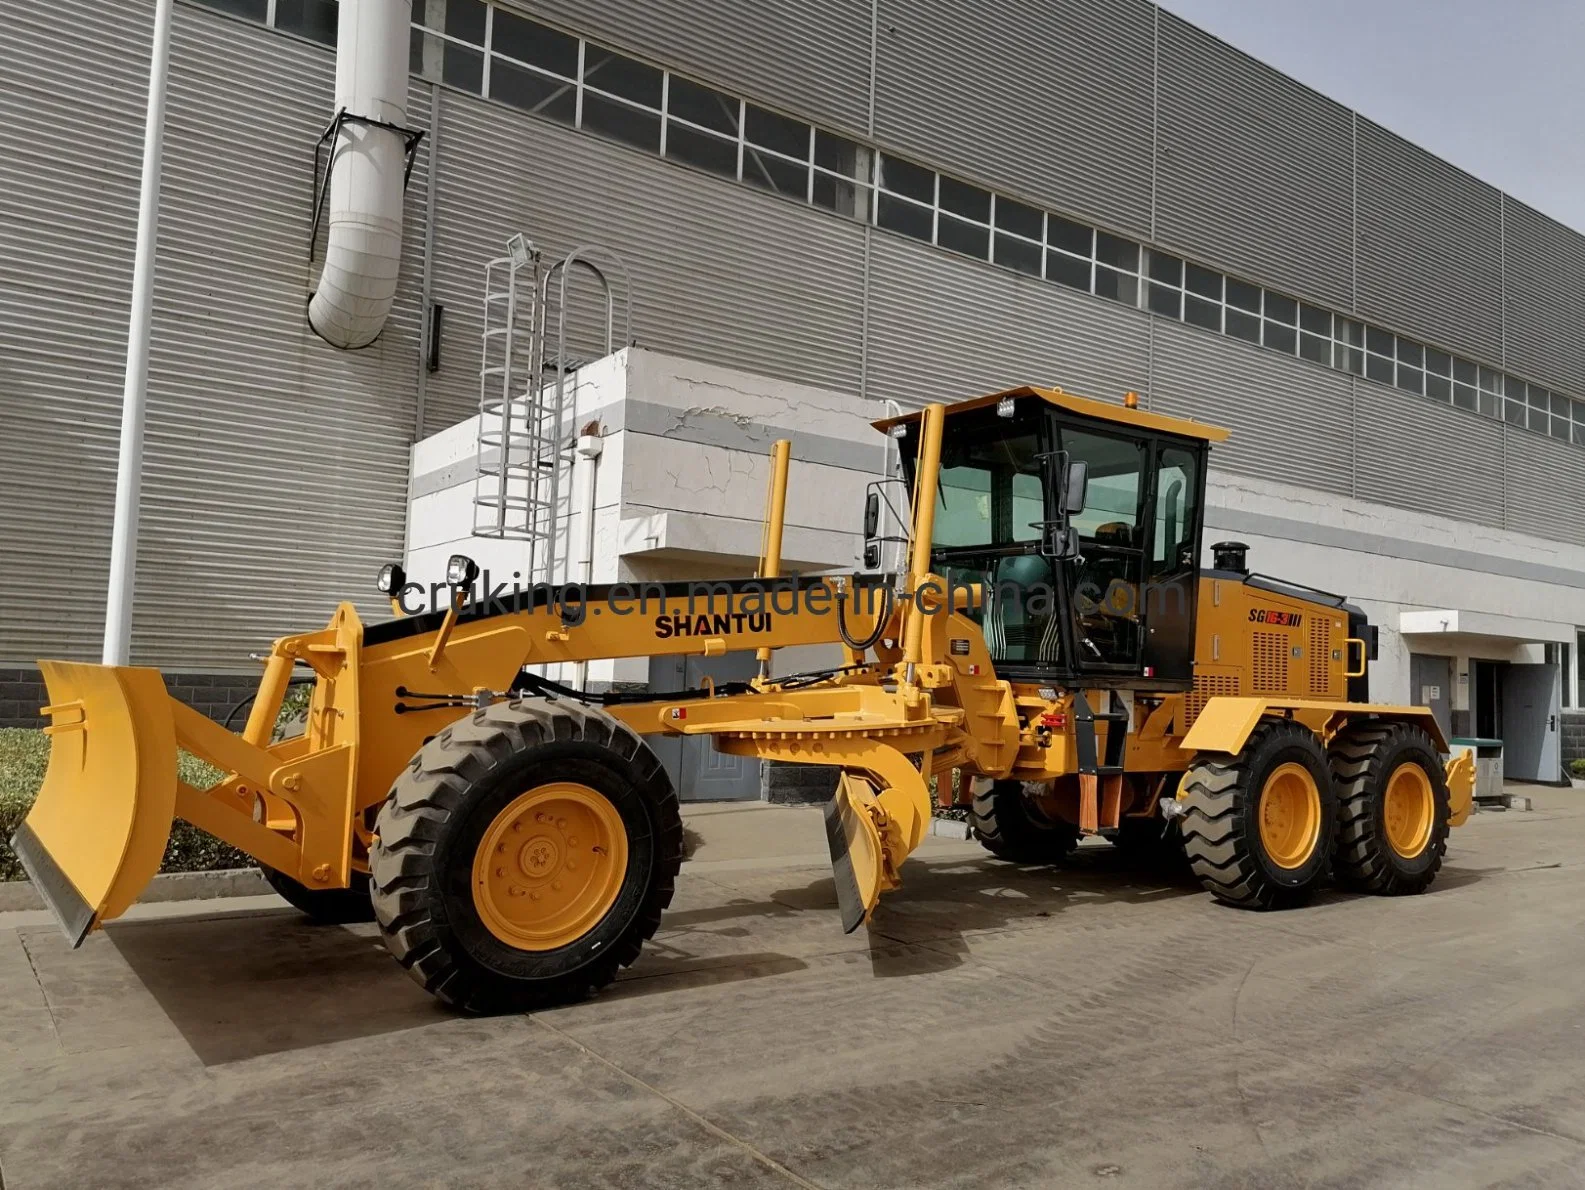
{"x": 996, "y": 1026}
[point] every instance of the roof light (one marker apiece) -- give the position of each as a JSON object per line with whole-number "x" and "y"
{"x": 1130, "y": 400}
{"x": 1004, "y": 407}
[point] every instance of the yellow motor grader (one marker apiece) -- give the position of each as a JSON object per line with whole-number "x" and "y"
{"x": 1053, "y": 638}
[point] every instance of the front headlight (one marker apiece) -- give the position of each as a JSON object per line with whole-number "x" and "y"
{"x": 392, "y": 579}
{"x": 461, "y": 570}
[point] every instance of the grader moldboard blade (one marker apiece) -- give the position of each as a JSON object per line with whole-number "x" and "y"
{"x": 857, "y": 863}
{"x": 97, "y": 831}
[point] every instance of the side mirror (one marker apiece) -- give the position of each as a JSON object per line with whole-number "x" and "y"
{"x": 872, "y": 515}
{"x": 1076, "y": 488}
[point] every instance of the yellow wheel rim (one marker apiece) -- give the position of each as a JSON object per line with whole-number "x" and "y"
{"x": 1290, "y": 816}
{"x": 1409, "y": 810}
{"x": 550, "y": 866}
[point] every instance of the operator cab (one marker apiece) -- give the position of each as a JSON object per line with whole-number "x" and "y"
{"x": 1080, "y": 524}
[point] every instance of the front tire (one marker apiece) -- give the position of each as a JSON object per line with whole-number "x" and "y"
{"x": 1010, "y": 826}
{"x": 1258, "y": 827}
{"x": 525, "y": 856}
{"x": 1392, "y": 808}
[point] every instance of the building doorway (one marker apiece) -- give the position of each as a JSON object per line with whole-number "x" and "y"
{"x": 1431, "y": 685}
{"x": 697, "y": 770}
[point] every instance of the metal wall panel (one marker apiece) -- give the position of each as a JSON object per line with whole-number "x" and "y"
{"x": 1415, "y": 453}
{"x": 720, "y": 272}
{"x": 1048, "y": 100}
{"x": 1290, "y": 419}
{"x": 1255, "y": 172}
{"x": 945, "y": 328}
{"x": 275, "y": 465}
{"x": 1546, "y": 487}
{"x": 1544, "y": 295}
{"x": 811, "y": 58}
{"x": 1430, "y": 246}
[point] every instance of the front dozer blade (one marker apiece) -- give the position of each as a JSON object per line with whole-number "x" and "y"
{"x": 97, "y": 831}
{"x": 857, "y": 864}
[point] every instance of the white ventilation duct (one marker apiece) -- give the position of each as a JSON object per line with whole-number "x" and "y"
{"x": 363, "y": 239}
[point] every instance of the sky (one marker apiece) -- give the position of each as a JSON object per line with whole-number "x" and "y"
{"x": 1494, "y": 86}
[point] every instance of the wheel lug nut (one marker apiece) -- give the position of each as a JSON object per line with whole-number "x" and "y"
{"x": 571, "y": 842}
{"x": 571, "y": 865}
{"x": 561, "y": 824}
{"x": 534, "y": 896}
{"x": 500, "y": 848}
{"x": 556, "y": 884}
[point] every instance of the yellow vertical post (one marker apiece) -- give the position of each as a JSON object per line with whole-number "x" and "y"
{"x": 267, "y": 702}
{"x": 775, "y": 518}
{"x": 927, "y": 473}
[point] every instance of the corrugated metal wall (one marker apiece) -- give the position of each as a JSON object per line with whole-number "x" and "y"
{"x": 812, "y": 57}
{"x": 1413, "y": 454}
{"x": 1429, "y": 246}
{"x": 1254, "y": 172}
{"x": 276, "y": 465}
{"x": 942, "y": 327}
{"x": 1291, "y": 422}
{"x": 1544, "y": 293}
{"x": 275, "y": 469}
{"x": 1068, "y": 126}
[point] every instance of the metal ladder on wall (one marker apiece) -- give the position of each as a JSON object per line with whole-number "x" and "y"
{"x": 521, "y": 456}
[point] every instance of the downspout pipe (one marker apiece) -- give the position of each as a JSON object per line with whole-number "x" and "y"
{"x": 363, "y": 241}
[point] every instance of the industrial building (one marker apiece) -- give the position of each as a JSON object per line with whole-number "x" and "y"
{"x": 822, "y": 208}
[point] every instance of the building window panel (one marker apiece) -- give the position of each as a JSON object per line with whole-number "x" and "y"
{"x": 1491, "y": 381}
{"x": 533, "y": 92}
{"x": 777, "y": 133}
{"x": 623, "y": 77}
{"x": 1204, "y": 282}
{"x": 1068, "y": 270}
{"x": 842, "y": 196}
{"x": 1438, "y": 387}
{"x": 1439, "y": 362}
{"x": 1015, "y": 253}
{"x": 1560, "y": 405}
{"x": 1166, "y": 301}
{"x": 1281, "y": 309}
{"x": 313, "y": 19}
{"x": 1561, "y": 427}
{"x": 841, "y": 156}
{"x": 1579, "y": 440}
{"x": 898, "y": 214}
{"x": 1200, "y": 312}
{"x": 1379, "y": 368}
{"x": 1119, "y": 253}
{"x": 908, "y": 180}
{"x": 703, "y": 149}
{"x": 1411, "y": 380}
{"x": 1315, "y": 322}
{"x": 1021, "y": 220}
{"x": 1464, "y": 397}
{"x": 1540, "y": 421}
{"x": 964, "y": 200}
{"x": 253, "y": 10}
{"x": 959, "y": 236}
{"x": 621, "y": 121}
{"x": 1490, "y": 405}
{"x": 1380, "y": 342}
{"x": 463, "y": 67}
{"x": 1244, "y": 296}
{"x": 1348, "y": 359}
{"x": 1411, "y": 353}
{"x": 1315, "y": 348}
{"x": 696, "y": 104}
{"x": 1465, "y": 372}
{"x": 1539, "y": 397}
{"x": 1166, "y": 269}
{"x": 1069, "y": 237}
{"x": 536, "y": 45}
{"x": 1281, "y": 338}
{"x": 1239, "y": 324}
{"x": 1116, "y": 286}
{"x": 780, "y": 177}
{"x": 1516, "y": 413}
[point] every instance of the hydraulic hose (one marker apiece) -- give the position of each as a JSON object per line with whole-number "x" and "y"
{"x": 888, "y": 600}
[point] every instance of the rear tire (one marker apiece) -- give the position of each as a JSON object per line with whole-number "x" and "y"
{"x": 1258, "y": 827}
{"x": 1010, "y": 826}
{"x": 1392, "y": 808}
{"x": 328, "y": 906}
{"x": 463, "y": 876}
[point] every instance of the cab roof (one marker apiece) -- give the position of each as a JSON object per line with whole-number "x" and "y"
{"x": 1139, "y": 419}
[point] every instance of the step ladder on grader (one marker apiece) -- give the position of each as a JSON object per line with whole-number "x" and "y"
{"x": 1054, "y": 640}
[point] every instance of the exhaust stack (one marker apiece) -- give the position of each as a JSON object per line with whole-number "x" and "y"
{"x": 363, "y": 245}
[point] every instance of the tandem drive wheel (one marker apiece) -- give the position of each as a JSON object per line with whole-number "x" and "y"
{"x": 524, "y": 857}
{"x": 1258, "y": 827}
{"x": 1392, "y": 808}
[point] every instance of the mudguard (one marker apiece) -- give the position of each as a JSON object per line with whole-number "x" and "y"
{"x": 97, "y": 831}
